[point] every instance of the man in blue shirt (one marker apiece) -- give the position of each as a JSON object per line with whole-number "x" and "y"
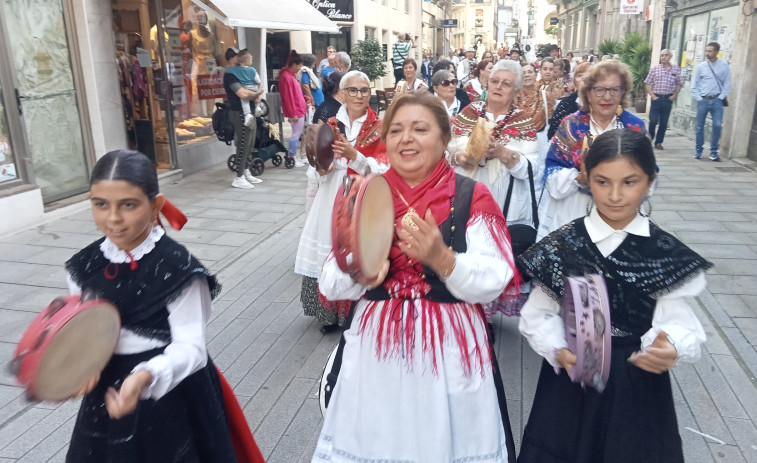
{"x": 712, "y": 82}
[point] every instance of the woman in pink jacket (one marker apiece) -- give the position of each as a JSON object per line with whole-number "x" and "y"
{"x": 293, "y": 102}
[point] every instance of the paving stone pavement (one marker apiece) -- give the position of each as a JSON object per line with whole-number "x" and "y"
{"x": 273, "y": 355}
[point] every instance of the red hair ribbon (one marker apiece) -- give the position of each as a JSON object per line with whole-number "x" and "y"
{"x": 175, "y": 217}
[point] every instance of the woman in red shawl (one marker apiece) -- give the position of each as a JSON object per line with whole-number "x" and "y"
{"x": 293, "y": 102}
{"x": 418, "y": 379}
{"x": 358, "y": 149}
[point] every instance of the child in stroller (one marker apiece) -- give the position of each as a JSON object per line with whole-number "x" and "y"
{"x": 267, "y": 146}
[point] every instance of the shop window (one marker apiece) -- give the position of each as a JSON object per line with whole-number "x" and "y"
{"x": 370, "y": 32}
{"x": 182, "y": 72}
{"x": 7, "y": 163}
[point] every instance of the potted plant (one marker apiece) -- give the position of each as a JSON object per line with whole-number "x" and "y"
{"x": 368, "y": 57}
{"x": 609, "y": 47}
{"x": 640, "y": 63}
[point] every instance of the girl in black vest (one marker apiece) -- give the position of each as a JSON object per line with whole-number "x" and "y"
{"x": 648, "y": 273}
{"x": 159, "y": 398}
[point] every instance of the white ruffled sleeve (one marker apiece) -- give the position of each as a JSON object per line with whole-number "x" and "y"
{"x": 73, "y": 288}
{"x": 561, "y": 183}
{"x": 674, "y": 316}
{"x": 541, "y": 324}
{"x": 481, "y": 273}
{"x": 364, "y": 165}
{"x": 336, "y": 285}
{"x": 186, "y": 354}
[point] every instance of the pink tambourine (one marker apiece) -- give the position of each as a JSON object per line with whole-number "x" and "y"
{"x": 586, "y": 314}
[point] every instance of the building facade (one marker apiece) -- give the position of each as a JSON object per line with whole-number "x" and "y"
{"x": 476, "y": 24}
{"x": 686, "y": 30}
{"x": 79, "y": 78}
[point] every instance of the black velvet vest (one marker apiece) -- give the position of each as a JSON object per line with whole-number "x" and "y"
{"x": 141, "y": 295}
{"x": 462, "y": 202}
{"x": 637, "y": 273}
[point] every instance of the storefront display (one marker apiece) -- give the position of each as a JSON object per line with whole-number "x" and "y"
{"x": 185, "y": 73}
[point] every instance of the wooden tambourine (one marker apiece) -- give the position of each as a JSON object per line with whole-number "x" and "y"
{"x": 319, "y": 139}
{"x": 586, "y": 314}
{"x": 362, "y": 225}
{"x": 68, "y": 343}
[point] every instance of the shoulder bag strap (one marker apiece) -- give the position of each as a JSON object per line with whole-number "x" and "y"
{"x": 534, "y": 207}
{"x": 712, "y": 70}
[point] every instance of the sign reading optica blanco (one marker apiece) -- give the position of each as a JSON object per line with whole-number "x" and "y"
{"x": 631, "y": 6}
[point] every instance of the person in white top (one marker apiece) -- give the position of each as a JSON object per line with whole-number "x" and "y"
{"x": 444, "y": 85}
{"x": 159, "y": 386}
{"x": 418, "y": 380}
{"x": 411, "y": 82}
{"x": 649, "y": 274}
{"x": 358, "y": 147}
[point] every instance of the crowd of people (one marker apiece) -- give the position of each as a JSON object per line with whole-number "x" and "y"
{"x": 474, "y": 159}
{"x": 506, "y": 177}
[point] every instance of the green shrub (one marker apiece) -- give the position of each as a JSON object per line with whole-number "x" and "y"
{"x": 610, "y": 47}
{"x": 368, "y": 56}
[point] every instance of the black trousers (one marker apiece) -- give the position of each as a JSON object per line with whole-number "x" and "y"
{"x": 245, "y": 139}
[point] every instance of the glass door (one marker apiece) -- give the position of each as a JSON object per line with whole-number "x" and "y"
{"x": 46, "y": 98}
{"x": 7, "y": 159}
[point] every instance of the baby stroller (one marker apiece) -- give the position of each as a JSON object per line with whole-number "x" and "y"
{"x": 267, "y": 146}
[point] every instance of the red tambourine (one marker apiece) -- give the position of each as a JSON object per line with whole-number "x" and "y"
{"x": 586, "y": 314}
{"x": 362, "y": 225}
{"x": 64, "y": 346}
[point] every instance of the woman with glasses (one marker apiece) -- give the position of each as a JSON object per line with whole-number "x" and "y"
{"x": 357, "y": 149}
{"x": 476, "y": 88}
{"x": 604, "y": 92}
{"x": 511, "y": 146}
{"x": 419, "y": 381}
{"x": 448, "y": 65}
{"x": 511, "y": 153}
{"x": 410, "y": 83}
{"x": 444, "y": 84}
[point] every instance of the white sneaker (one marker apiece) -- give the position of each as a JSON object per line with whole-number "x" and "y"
{"x": 240, "y": 182}
{"x": 298, "y": 163}
{"x": 251, "y": 178}
{"x": 248, "y": 120}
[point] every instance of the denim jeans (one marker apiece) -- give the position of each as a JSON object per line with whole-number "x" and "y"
{"x": 659, "y": 111}
{"x": 715, "y": 107}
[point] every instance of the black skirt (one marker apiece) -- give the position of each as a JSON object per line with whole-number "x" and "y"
{"x": 632, "y": 421}
{"x": 188, "y": 424}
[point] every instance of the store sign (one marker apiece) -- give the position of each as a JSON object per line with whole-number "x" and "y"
{"x": 631, "y": 6}
{"x": 449, "y": 23}
{"x": 210, "y": 86}
{"x": 554, "y": 21}
{"x": 335, "y": 10}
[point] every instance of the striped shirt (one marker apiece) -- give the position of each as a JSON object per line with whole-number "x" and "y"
{"x": 400, "y": 51}
{"x": 664, "y": 80}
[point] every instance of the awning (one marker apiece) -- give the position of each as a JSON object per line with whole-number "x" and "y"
{"x": 286, "y": 15}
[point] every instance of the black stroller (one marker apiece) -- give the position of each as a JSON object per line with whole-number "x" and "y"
{"x": 266, "y": 147}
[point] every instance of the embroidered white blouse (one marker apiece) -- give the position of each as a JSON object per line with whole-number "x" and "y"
{"x": 188, "y": 316}
{"x": 542, "y": 325}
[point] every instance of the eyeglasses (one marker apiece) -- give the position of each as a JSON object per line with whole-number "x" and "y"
{"x": 601, "y": 91}
{"x": 498, "y": 82}
{"x": 353, "y": 91}
{"x": 448, "y": 82}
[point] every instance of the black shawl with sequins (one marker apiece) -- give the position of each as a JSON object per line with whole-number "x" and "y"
{"x": 637, "y": 273}
{"x": 141, "y": 295}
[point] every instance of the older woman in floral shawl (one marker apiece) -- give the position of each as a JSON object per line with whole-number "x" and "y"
{"x": 566, "y": 197}
{"x": 512, "y": 144}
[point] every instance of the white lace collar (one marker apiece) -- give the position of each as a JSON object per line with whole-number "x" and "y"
{"x": 118, "y": 256}
{"x": 600, "y": 230}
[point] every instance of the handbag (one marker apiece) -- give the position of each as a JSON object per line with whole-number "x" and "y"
{"x": 522, "y": 236}
{"x": 720, "y": 86}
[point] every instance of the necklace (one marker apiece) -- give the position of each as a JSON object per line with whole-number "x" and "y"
{"x": 408, "y": 220}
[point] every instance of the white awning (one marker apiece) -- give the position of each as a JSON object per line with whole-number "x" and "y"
{"x": 286, "y": 15}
